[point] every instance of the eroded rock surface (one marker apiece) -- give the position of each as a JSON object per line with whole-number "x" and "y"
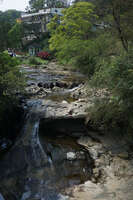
{"x": 113, "y": 168}
{"x": 44, "y": 161}
{"x": 56, "y": 156}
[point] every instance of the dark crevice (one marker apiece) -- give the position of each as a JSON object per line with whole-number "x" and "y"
{"x": 10, "y": 128}
{"x": 59, "y": 138}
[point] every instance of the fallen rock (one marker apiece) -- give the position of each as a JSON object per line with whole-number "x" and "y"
{"x": 71, "y": 156}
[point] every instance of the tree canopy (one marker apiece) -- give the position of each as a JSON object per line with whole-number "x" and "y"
{"x": 118, "y": 14}
{"x": 72, "y": 30}
{"x": 11, "y": 81}
{"x": 36, "y": 5}
{"x": 7, "y": 21}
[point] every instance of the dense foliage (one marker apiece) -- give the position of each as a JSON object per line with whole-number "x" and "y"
{"x": 98, "y": 40}
{"x": 7, "y": 21}
{"x": 35, "y": 5}
{"x": 11, "y": 82}
{"x": 116, "y": 76}
{"x": 44, "y": 55}
{"x": 94, "y": 36}
{"x": 118, "y": 14}
{"x": 74, "y": 35}
{"x": 15, "y": 35}
{"x": 35, "y": 61}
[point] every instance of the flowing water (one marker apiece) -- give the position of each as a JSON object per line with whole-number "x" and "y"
{"x": 56, "y": 161}
{"x": 45, "y": 160}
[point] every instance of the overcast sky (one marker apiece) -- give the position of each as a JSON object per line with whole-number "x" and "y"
{"x": 13, "y": 4}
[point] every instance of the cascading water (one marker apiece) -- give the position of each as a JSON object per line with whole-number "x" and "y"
{"x": 42, "y": 163}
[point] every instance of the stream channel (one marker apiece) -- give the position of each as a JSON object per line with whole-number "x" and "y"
{"x": 46, "y": 158}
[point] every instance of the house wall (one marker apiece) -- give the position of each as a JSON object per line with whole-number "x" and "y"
{"x": 42, "y": 17}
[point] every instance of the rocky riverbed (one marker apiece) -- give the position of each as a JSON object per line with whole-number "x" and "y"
{"x": 57, "y": 155}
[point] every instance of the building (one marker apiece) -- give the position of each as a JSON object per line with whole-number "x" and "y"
{"x": 38, "y": 20}
{"x": 42, "y": 17}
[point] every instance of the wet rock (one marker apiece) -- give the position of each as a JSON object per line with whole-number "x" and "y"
{"x": 46, "y": 85}
{"x": 123, "y": 155}
{"x": 40, "y": 84}
{"x": 73, "y": 85}
{"x": 61, "y": 84}
{"x": 51, "y": 85}
{"x": 65, "y": 102}
{"x": 30, "y": 84}
{"x": 26, "y": 195}
{"x": 71, "y": 156}
{"x": 57, "y": 84}
{"x": 5, "y": 143}
{"x": 64, "y": 153}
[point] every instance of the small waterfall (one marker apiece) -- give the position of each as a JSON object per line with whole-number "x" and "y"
{"x": 38, "y": 163}
{"x": 35, "y": 139}
{"x": 30, "y": 134}
{"x": 50, "y": 160}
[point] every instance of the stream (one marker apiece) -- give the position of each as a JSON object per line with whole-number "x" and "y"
{"x": 57, "y": 155}
{"x": 46, "y": 158}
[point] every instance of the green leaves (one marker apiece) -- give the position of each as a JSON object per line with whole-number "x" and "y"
{"x": 36, "y": 4}
{"x": 71, "y": 38}
{"x": 11, "y": 79}
{"x": 11, "y": 82}
{"x": 76, "y": 22}
{"x": 116, "y": 75}
{"x": 7, "y": 21}
{"x": 15, "y": 35}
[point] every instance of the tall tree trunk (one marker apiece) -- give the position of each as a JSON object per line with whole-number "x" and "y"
{"x": 116, "y": 16}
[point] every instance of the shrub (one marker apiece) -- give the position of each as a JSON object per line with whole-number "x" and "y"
{"x": 117, "y": 76}
{"x": 109, "y": 115}
{"x": 34, "y": 61}
{"x": 11, "y": 82}
{"x": 44, "y": 55}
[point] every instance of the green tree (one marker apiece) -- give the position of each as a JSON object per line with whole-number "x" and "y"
{"x": 76, "y": 23}
{"x": 123, "y": 15}
{"x": 11, "y": 82}
{"x": 56, "y": 3}
{"x": 36, "y": 5}
{"x": 116, "y": 77}
{"x": 118, "y": 15}
{"x": 7, "y": 21}
{"x": 15, "y": 36}
{"x": 72, "y": 36}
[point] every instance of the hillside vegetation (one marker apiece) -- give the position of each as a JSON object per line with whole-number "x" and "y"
{"x": 97, "y": 39}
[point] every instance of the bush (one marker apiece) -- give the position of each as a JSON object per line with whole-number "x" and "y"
{"x": 34, "y": 61}
{"x": 86, "y": 55}
{"x": 44, "y": 55}
{"x": 11, "y": 82}
{"x": 117, "y": 76}
{"x": 108, "y": 115}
